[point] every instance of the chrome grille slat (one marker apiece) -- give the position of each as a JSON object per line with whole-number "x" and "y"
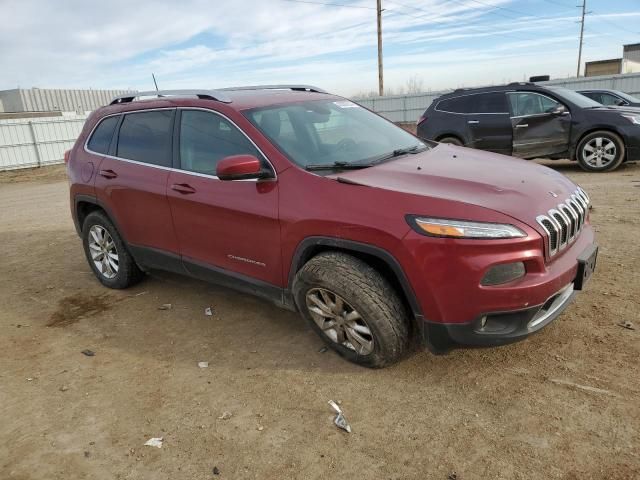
{"x": 563, "y": 223}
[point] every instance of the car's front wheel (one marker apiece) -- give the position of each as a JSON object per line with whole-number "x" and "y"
{"x": 353, "y": 308}
{"x": 107, "y": 254}
{"x": 600, "y": 151}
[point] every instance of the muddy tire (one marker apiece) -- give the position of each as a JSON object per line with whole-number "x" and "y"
{"x": 107, "y": 254}
{"x": 600, "y": 151}
{"x": 353, "y": 308}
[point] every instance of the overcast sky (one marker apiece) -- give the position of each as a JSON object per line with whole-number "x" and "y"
{"x": 217, "y": 43}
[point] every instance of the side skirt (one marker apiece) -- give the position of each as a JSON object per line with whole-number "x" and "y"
{"x": 153, "y": 259}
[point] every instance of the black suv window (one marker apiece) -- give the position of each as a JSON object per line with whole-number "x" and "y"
{"x": 146, "y": 137}
{"x": 608, "y": 99}
{"x": 102, "y": 135}
{"x": 493, "y": 102}
{"x": 530, "y": 103}
{"x": 456, "y": 105}
{"x": 207, "y": 138}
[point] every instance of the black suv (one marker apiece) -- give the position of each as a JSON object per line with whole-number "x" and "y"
{"x": 614, "y": 98}
{"x": 531, "y": 121}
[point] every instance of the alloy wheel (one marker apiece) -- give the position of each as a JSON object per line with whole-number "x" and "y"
{"x": 599, "y": 152}
{"x": 339, "y": 320}
{"x": 103, "y": 252}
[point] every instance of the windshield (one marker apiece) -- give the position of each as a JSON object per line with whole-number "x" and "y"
{"x": 627, "y": 97}
{"x": 332, "y": 133}
{"x": 574, "y": 97}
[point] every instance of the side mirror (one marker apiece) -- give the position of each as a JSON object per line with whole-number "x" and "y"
{"x": 560, "y": 110}
{"x": 239, "y": 167}
{"x": 621, "y": 103}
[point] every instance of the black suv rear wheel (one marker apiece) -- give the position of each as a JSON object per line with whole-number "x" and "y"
{"x": 353, "y": 308}
{"x": 600, "y": 151}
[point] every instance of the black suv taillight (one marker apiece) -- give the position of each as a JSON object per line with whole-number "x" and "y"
{"x": 422, "y": 118}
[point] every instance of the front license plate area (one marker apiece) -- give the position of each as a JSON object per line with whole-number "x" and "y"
{"x": 586, "y": 266}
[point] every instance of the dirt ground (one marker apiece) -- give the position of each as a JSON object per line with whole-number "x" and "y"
{"x": 562, "y": 405}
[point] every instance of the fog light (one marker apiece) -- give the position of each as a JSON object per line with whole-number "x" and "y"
{"x": 505, "y": 273}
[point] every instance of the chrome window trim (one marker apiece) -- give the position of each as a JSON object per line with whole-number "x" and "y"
{"x": 172, "y": 169}
{"x": 470, "y": 95}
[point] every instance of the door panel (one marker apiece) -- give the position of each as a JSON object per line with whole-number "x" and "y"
{"x": 539, "y": 130}
{"x": 136, "y": 196}
{"x": 132, "y": 179}
{"x": 227, "y": 224}
{"x": 491, "y": 132}
{"x": 230, "y": 225}
{"x": 489, "y": 124}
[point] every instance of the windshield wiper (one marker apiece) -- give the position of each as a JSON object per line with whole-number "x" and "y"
{"x": 338, "y": 166}
{"x": 403, "y": 151}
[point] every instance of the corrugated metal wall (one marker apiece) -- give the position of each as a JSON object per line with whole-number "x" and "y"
{"x": 408, "y": 108}
{"x": 35, "y": 142}
{"x": 48, "y": 100}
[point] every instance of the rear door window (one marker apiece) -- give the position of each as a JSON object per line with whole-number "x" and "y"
{"x": 207, "y": 138}
{"x": 147, "y": 137}
{"x": 456, "y": 105}
{"x": 102, "y": 135}
{"x": 494, "y": 102}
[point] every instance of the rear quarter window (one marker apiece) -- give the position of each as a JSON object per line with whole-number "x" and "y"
{"x": 147, "y": 137}
{"x": 102, "y": 135}
{"x": 456, "y": 105}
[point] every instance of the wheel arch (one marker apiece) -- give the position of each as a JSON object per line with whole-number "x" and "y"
{"x": 451, "y": 135}
{"x": 84, "y": 205}
{"x": 376, "y": 257}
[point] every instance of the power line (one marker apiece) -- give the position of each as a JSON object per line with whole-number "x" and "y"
{"x": 330, "y": 4}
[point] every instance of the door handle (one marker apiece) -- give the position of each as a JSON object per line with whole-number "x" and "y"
{"x": 108, "y": 174}
{"x": 524, "y": 125}
{"x": 183, "y": 188}
{"x": 473, "y": 122}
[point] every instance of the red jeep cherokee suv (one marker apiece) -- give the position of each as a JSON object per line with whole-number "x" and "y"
{"x": 382, "y": 241}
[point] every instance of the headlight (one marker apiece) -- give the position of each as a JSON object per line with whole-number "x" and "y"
{"x": 439, "y": 227}
{"x": 633, "y": 118}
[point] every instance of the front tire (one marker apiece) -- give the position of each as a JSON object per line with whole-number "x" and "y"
{"x": 600, "y": 151}
{"x": 353, "y": 308}
{"x": 107, "y": 254}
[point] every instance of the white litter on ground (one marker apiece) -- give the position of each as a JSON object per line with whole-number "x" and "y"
{"x": 154, "y": 442}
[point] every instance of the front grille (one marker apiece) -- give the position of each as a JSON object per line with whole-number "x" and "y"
{"x": 563, "y": 224}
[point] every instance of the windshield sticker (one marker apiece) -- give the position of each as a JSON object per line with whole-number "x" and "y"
{"x": 346, "y": 104}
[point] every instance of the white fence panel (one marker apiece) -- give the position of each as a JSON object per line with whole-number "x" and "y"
{"x": 35, "y": 142}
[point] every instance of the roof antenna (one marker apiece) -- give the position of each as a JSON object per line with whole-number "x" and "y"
{"x": 154, "y": 81}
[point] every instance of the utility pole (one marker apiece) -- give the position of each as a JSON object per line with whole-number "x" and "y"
{"x": 584, "y": 12}
{"x": 380, "y": 80}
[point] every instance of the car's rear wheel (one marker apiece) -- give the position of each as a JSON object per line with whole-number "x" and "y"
{"x": 600, "y": 151}
{"x": 353, "y": 308}
{"x": 451, "y": 140}
{"x": 107, "y": 254}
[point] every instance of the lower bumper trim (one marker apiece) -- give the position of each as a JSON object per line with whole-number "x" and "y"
{"x": 499, "y": 328}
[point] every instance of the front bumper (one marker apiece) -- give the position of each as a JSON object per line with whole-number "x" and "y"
{"x": 497, "y": 328}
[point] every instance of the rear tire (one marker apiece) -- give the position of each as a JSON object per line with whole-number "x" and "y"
{"x": 353, "y": 308}
{"x": 452, "y": 141}
{"x": 107, "y": 254}
{"x": 600, "y": 151}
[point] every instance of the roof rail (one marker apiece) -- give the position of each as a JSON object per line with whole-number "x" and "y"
{"x": 297, "y": 88}
{"x": 519, "y": 83}
{"x": 202, "y": 94}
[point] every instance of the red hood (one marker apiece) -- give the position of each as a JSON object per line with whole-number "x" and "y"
{"x": 518, "y": 188}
